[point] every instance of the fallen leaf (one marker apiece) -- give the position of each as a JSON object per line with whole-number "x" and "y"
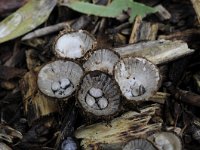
{"x": 25, "y": 19}
{"x": 112, "y": 10}
{"x": 7, "y": 7}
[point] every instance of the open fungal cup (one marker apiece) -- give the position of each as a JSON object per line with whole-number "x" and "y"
{"x": 103, "y": 60}
{"x": 74, "y": 44}
{"x": 59, "y": 78}
{"x": 139, "y": 144}
{"x": 137, "y": 77}
{"x": 166, "y": 141}
{"x": 99, "y": 94}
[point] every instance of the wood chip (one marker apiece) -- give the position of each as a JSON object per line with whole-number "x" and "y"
{"x": 143, "y": 31}
{"x": 122, "y": 129}
{"x": 8, "y": 73}
{"x": 196, "y": 5}
{"x": 158, "y": 52}
{"x": 162, "y": 13}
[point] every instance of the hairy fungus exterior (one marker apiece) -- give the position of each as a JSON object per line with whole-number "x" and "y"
{"x": 59, "y": 79}
{"x": 137, "y": 77}
{"x": 73, "y": 44}
{"x": 102, "y": 59}
{"x": 99, "y": 94}
{"x": 139, "y": 144}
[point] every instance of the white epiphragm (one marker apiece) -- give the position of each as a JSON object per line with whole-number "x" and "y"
{"x": 102, "y": 102}
{"x": 96, "y": 92}
{"x": 90, "y": 100}
{"x": 12, "y": 24}
{"x": 70, "y": 46}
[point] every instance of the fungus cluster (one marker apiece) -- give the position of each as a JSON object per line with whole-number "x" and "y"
{"x": 102, "y": 79}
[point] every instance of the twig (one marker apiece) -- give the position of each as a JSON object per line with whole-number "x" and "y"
{"x": 44, "y": 31}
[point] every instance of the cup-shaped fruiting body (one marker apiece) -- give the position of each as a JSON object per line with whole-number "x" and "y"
{"x": 99, "y": 94}
{"x": 139, "y": 144}
{"x": 73, "y": 44}
{"x": 102, "y": 59}
{"x": 166, "y": 141}
{"x": 137, "y": 77}
{"x": 59, "y": 78}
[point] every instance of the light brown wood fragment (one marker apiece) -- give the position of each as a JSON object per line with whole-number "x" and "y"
{"x": 120, "y": 130}
{"x": 136, "y": 25}
{"x": 196, "y": 5}
{"x": 36, "y": 105}
{"x": 32, "y": 59}
{"x": 162, "y": 13}
{"x": 158, "y": 51}
{"x": 143, "y": 31}
{"x": 186, "y": 35}
{"x": 159, "y": 97}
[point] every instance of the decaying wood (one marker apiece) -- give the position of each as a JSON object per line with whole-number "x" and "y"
{"x": 122, "y": 129}
{"x": 8, "y": 73}
{"x": 4, "y": 146}
{"x": 196, "y": 5}
{"x": 196, "y": 78}
{"x": 186, "y": 35}
{"x": 158, "y": 52}
{"x": 162, "y": 13}
{"x": 136, "y": 25}
{"x": 143, "y": 30}
{"x": 8, "y": 85}
{"x": 159, "y": 97}
{"x": 36, "y": 105}
{"x": 9, "y": 134}
{"x": 185, "y": 96}
{"x": 32, "y": 60}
